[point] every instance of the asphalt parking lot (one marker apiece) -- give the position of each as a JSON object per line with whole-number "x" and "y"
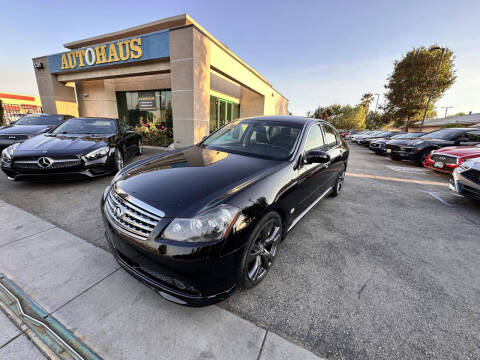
{"x": 387, "y": 270}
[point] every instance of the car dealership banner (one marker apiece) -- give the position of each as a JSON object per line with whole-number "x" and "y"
{"x": 141, "y": 48}
{"x": 146, "y": 100}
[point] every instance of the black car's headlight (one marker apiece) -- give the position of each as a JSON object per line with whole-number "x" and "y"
{"x": 97, "y": 153}
{"x": 7, "y": 153}
{"x": 211, "y": 225}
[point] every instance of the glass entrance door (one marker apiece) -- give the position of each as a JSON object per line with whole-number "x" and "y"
{"x": 222, "y": 112}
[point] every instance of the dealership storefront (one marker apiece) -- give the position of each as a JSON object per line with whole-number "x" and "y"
{"x": 170, "y": 72}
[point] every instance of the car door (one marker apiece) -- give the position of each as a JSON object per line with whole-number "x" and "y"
{"x": 310, "y": 178}
{"x": 127, "y": 139}
{"x": 334, "y": 148}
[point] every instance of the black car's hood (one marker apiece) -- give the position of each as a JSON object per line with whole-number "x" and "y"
{"x": 22, "y": 129}
{"x": 181, "y": 183}
{"x": 62, "y": 144}
{"x": 380, "y": 140}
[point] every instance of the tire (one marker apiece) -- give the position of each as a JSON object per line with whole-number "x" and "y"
{"x": 117, "y": 161}
{"x": 139, "y": 147}
{"x": 396, "y": 158}
{"x": 338, "y": 185}
{"x": 420, "y": 159}
{"x": 260, "y": 251}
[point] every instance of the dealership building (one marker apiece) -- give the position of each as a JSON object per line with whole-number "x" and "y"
{"x": 170, "y": 72}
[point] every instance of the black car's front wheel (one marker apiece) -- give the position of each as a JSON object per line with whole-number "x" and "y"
{"x": 261, "y": 250}
{"x": 117, "y": 161}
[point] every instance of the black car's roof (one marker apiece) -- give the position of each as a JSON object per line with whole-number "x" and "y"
{"x": 288, "y": 119}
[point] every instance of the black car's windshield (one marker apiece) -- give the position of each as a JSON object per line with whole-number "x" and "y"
{"x": 87, "y": 126}
{"x": 39, "y": 119}
{"x": 407, "y": 135}
{"x": 265, "y": 139}
{"x": 444, "y": 134}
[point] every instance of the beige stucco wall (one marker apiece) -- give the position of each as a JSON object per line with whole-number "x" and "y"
{"x": 56, "y": 98}
{"x": 146, "y": 82}
{"x": 97, "y": 98}
{"x": 190, "y": 80}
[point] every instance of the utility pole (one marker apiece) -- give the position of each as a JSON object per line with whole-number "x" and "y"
{"x": 434, "y": 81}
{"x": 376, "y": 105}
{"x": 446, "y": 109}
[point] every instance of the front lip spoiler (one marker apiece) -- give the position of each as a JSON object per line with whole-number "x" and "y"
{"x": 167, "y": 293}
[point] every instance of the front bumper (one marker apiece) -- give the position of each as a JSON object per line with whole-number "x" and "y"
{"x": 401, "y": 152}
{"x": 190, "y": 274}
{"x": 447, "y": 168}
{"x": 98, "y": 167}
{"x": 464, "y": 186}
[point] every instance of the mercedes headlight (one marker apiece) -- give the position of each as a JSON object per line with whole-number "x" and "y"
{"x": 95, "y": 154}
{"x": 7, "y": 153}
{"x": 211, "y": 225}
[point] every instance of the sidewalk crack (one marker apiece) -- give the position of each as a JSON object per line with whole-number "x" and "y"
{"x": 83, "y": 292}
{"x": 26, "y": 237}
{"x": 263, "y": 343}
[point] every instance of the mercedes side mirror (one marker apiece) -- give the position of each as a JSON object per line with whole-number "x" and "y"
{"x": 317, "y": 157}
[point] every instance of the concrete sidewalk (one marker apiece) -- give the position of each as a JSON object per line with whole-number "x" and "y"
{"x": 116, "y": 316}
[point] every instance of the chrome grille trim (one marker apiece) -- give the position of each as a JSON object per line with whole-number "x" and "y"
{"x": 447, "y": 159}
{"x": 55, "y": 164}
{"x": 135, "y": 221}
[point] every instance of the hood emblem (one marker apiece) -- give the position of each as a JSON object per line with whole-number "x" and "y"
{"x": 119, "y": 212}
{"x": 45, "y": 162}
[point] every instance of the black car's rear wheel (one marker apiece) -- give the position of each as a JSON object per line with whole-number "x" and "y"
{"x": 339, "y": 184}
{"x": 261, "y": 250}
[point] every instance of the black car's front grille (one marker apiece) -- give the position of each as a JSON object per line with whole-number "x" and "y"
{"x": 53, "y": 157}
{"x": 393, "y": 147}
{"x": 444, "y": 158}
{"x": 472, "y": 175}
{"x": 13, "y": 137}
{"x": 129, "y": 218}
{"x": 374, "y": 145}
{"x": 46, "y": 165}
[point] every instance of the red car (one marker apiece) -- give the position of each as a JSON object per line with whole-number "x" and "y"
{"x": 448, "y": 158}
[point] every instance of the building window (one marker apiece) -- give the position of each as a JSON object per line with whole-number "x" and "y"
{"x": 222, "y": 112}
{"x": 136, "y": 107}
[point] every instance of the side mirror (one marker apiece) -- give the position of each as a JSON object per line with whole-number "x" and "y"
{"x": 317, "y": 157}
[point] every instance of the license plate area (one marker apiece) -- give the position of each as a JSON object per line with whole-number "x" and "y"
{"x": 439, "y": 164}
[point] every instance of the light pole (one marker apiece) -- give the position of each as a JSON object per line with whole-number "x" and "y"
{"x": 376, "y": 105}
{"x": 434, "y": 81}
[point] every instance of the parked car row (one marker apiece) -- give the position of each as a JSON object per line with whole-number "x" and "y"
{"x": 454, "y": 151}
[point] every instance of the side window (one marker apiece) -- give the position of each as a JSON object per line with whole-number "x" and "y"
{"x": 331, "y": 137}
{"x": 473, "y": 135}
{"x": 314, "y": 139}
{"x": 122, "y": 126}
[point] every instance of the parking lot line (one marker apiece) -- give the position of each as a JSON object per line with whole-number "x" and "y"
{"x": 422, "y": 182}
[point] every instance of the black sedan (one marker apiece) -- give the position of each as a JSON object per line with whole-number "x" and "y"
{"x": 29, "y": 126}
{"x": 196, "y": 223}
{"x": 417, "y": 149}
{"x": 378, "y": 145}
{"x": 78, "y": 148}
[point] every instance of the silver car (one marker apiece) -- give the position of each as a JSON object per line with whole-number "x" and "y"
{"x": 466, "y": 179}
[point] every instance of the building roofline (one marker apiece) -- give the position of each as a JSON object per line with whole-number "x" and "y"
{"x": 172, "y": 23}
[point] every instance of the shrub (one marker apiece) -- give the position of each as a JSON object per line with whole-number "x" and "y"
{"x": 154, "y": 135}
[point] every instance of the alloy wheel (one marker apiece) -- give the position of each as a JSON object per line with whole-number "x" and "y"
{"x": 263, "y": 251}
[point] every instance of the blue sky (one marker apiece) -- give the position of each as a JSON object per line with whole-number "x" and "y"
{"x": 313, "y": 52}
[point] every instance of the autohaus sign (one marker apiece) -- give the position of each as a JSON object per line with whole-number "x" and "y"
{"x": 141, "y": 48}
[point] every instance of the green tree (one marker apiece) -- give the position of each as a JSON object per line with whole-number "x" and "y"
{"x": 409, "y": 85}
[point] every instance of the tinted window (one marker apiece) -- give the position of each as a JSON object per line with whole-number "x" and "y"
{"x": 122, "y": 126}
{"x": 265, "y": 139}
{"x": 445, "y": 134}
{"x": 473, "y": 136}
{"x": 314, "y": 139}
{"x": 87, "y": 126}
{"x": 331, "y": 137}
{"x": 38, "y": 119}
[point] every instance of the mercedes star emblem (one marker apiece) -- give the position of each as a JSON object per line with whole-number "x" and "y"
{"x": 45, "y": 162}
